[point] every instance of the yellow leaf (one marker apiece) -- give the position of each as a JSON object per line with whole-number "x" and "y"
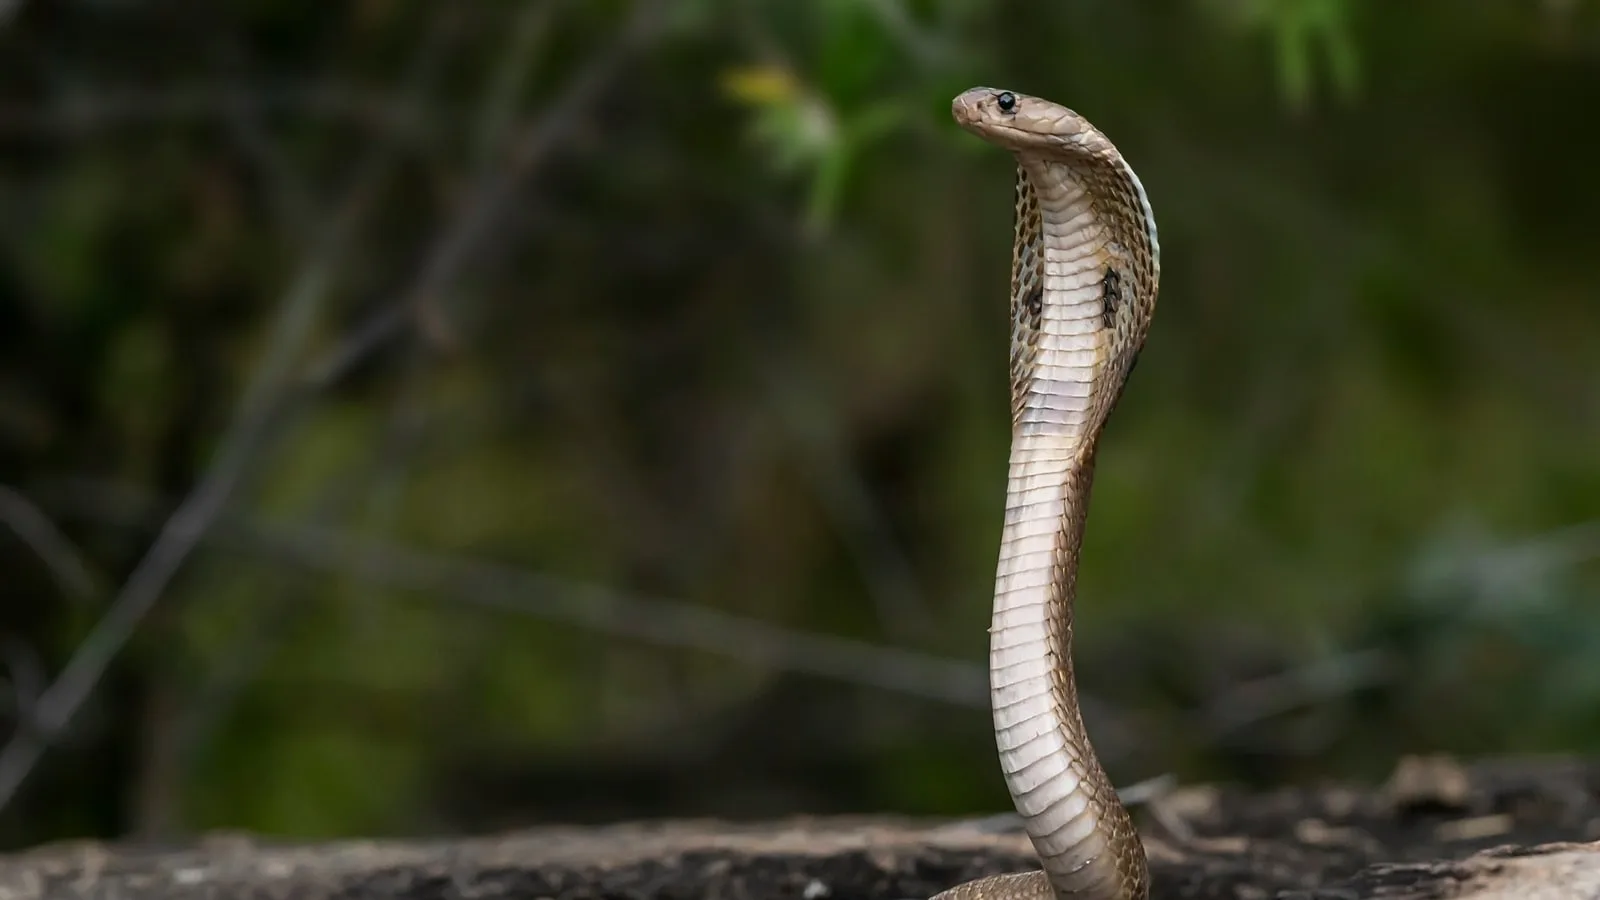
{"x": 760, "y": 85}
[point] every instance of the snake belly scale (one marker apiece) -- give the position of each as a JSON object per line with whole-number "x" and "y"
{"x": 1084, "y": 273}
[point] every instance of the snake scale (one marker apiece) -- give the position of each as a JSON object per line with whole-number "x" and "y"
{"x": 1084, "y": 272}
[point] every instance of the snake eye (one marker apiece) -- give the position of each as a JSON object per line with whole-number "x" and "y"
{"x": 1006, "y": 100}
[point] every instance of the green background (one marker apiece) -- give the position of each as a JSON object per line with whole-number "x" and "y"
{"x": 586, "y": 410}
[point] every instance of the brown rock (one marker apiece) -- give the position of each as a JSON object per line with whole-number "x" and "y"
{"x": 1492, "y": 831}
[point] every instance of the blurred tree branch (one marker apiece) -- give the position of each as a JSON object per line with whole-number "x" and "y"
{"x": 273, "y": 393}
{"x": 187, "y": 526}
{"x": 493, "y": 190}
{"x": 87, "y": 111}
{"x": 614, "y": 612}
{"x": 244, "y": 440}
{"x": 61, "y": 558}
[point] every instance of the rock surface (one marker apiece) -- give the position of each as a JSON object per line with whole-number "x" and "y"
{"x": 1491, "y": 831}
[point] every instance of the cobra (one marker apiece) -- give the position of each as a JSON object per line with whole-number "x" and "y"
{"x": 1085, "y": 266}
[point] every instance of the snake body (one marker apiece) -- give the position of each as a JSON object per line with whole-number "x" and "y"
{"x": 1084, "y": 274}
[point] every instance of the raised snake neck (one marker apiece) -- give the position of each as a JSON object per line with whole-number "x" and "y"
{"x": 1084, "y": 273}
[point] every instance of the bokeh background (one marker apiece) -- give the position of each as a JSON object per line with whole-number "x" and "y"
{"x": 441, "y": 417}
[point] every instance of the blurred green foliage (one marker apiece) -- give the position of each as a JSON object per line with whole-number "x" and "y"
{"x": 681, "y": 426}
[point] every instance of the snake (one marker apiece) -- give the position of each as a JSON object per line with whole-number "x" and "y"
{"x": 1085, "y": 267}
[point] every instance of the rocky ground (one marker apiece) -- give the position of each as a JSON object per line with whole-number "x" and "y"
{"x": 1496, "y": 829}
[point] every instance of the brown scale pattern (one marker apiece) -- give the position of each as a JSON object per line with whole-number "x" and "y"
{"x": 1027, "y": 291}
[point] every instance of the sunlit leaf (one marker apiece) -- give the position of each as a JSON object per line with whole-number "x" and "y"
{"x": 760, "y": 85}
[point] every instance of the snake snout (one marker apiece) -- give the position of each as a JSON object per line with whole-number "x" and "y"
{"x": 973, "y": 105}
